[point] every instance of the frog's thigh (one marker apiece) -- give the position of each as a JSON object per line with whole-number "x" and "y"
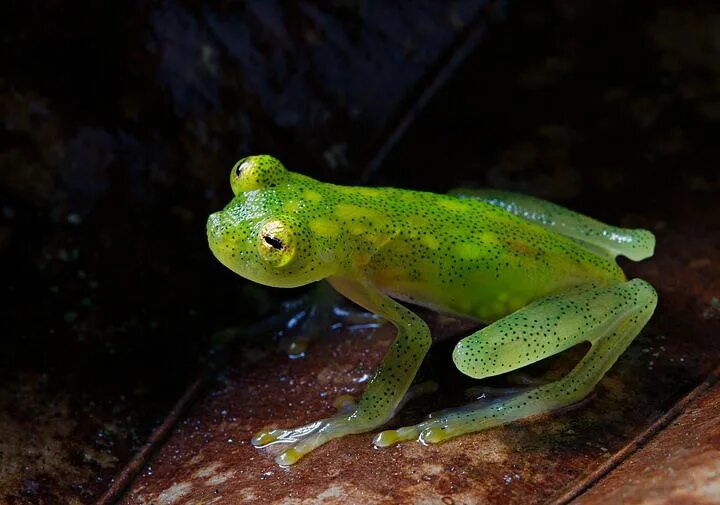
{"x": 601, "y": 237}
{"x": 609, "y": 318}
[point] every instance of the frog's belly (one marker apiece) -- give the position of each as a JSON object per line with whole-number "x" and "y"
{"x": 483, "y": 307}
{"x": 434, "y": 305}
{"x": 499, "y": 281}
{"x": 487, "y": 300}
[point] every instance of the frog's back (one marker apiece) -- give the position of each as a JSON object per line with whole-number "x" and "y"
{"x": 462, "y": 256}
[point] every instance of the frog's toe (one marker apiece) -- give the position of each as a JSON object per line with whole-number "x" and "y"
{"x": 289, "y": 457}
{"x": 305, "y": 439}
{"x": 432, "y": 431}
{"x": 435, "y": 435}
{"x": 302, "y": 440}
{"x": 263, "y": 438}
{"x": 292, "y": 455}
{"x": 391, "y": 437}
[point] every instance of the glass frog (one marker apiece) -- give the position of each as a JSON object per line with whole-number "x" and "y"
{"x": 540, "y": 277}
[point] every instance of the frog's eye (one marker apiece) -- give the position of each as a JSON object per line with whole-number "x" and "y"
{"x": 276, "y": 243}
{"x": 238, "y": 168}
{"x": 255, "y": 172}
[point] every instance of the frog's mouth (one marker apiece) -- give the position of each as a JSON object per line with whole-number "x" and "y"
{"x": 233, "y": 241}
{"x": 233, "y": 246}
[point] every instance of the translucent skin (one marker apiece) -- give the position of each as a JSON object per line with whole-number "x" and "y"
{"x": 483, "y": 255}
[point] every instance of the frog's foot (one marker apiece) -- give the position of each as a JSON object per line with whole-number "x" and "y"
{"x": 436, "y": 429}
{"x": 304, "y": 439}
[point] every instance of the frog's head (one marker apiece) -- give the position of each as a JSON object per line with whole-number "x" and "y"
{"x": 255, "y": 237}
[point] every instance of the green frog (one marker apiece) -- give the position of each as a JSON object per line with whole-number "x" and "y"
{"x": 541, "y": 278}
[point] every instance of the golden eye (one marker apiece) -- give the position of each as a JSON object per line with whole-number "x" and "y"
{"x": 240, "y": 166}
{"x": 255, "y": 172}
{"x": 276, "y": 243}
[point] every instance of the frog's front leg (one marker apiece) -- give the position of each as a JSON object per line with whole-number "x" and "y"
{"x": 384, "y": 392}
{"x": 607, "y": 317}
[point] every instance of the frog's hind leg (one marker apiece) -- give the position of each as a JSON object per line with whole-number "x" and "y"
{"x": 636, "y": 244}
{"x": 609, "y": 318}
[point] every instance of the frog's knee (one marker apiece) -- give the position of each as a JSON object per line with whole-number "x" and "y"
{"x": 471, "y": 359}
{"x": 492, "y": 351}
{"x": 643, "y": 291}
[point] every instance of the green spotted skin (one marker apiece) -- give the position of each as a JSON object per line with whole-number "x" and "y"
{"x": 609, "y": 318}
{"x": 544, "y": 278}
{"x": 599, "y": 237}
{"x": 548, "y": 326}
{"x": 462, "y": 256}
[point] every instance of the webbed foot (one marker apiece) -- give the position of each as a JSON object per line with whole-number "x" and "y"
{"x": 305, "y": 439}
{"x": 433, "y": 431}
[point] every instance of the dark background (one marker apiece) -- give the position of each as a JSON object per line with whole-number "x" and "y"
{"x": 120, "y": 122}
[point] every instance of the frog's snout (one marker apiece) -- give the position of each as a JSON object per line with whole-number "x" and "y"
{"x": 214, "y": 228}
{"x": 222, "y": 239}
{"x": 219, "y": 234}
